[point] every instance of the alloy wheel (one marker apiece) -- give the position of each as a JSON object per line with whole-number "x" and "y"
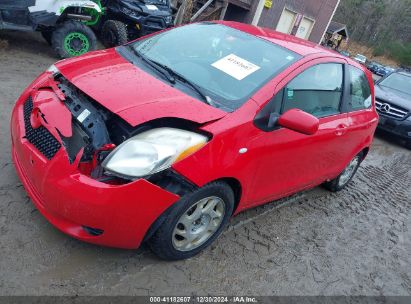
{"x": 349, "y": 171}
{"x": 76, "y": 44}
{"x": 198, "y": 223}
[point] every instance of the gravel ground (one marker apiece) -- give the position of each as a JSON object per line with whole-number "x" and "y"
{"x": 356, "y": 242}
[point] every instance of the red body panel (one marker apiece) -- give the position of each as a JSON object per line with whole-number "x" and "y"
{"x": 272, "y": 165}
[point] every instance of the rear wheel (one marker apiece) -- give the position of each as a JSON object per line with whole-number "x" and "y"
{"x": 345, "y": 177}
{"x": 114, "y": 33}
{"x": 73, "y": 38}
{"x": 194, "y": 222}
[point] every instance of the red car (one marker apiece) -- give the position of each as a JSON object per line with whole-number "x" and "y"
{"x": 164, "y": 139}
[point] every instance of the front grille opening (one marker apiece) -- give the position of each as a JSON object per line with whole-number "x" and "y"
{"x": 390, "y": 109}
{"x": 93, "y": 231}
{"x": 40, "y": 138}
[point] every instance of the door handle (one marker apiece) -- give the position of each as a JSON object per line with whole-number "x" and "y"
{"x": 341, "y": 129}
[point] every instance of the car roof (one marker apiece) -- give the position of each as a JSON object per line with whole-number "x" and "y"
{"x": 295, "y": 44}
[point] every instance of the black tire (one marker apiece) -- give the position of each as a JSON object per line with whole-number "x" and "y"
{"x": 161, "y": 243}
{"x": 88, "y": 41}
{"x": 47, "y": 36}
{"x": 408, "y": 144}
{"x": 114, "y": 33}
{"x": 338, "y": 183}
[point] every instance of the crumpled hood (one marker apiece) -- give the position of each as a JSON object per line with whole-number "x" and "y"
{"x": 130, "y": 92}
{"x": 393, "y": 96}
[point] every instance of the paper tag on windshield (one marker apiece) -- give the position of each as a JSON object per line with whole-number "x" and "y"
{"x": 83, "y": 115}
{"x": 235, "y": 66}
{"x": 151, "y": 7}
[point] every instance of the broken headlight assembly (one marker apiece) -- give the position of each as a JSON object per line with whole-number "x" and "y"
{"x": 151, "y": 152}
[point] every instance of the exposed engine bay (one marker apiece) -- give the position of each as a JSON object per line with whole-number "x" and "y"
{"x": 96, "y": 132}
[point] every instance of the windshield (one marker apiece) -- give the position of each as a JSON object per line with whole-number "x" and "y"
{"x": 227, "y": 64}
{"x": 399, "y": 82}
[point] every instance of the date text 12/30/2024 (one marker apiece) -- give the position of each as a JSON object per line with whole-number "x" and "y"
{"x": 204, "y": 299}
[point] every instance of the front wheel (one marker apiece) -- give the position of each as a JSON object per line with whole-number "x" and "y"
{"x": 73, "y": 38}
{"x": 194, "y": 222}
{"x": 345, "y": 177}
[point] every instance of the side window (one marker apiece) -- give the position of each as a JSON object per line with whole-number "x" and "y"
{"x": 317, "y": 90}
{"x": 360, "y": 92}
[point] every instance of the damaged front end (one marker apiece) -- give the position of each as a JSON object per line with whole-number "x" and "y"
{"x": 90, "y": 133}
{"x": 60, "y": 137}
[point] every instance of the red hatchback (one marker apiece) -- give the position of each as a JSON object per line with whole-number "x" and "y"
{"x": 164, "y": 139}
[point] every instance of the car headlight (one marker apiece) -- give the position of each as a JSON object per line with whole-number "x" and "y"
{"x": 169, "y": 19}
{"x": 152, "y": 151}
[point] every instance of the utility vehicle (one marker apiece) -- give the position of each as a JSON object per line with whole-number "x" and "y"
{"x": 64, "y": 24}
{"x": 126, "y": 20}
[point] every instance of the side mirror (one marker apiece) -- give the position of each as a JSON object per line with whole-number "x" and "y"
{"x": 299, "y": 121}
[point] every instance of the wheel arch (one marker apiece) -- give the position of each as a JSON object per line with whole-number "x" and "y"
{"x": 364, "y": 153}
{"x": 94, "y": 10}
{"x": 232, "y": 182}
{"x": 235, "y": 185}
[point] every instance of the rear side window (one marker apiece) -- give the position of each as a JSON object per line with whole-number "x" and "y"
{"x": 317, "y": 90}
{"x": 360, "y": 91}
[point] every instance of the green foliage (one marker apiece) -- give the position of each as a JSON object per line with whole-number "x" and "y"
{"x": 400, "y": 52}
{"x": 381, "y": 24}
{"x": 378, "y": 51}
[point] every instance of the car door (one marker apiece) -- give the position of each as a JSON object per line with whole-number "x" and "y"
{"x": 292, "y": 161}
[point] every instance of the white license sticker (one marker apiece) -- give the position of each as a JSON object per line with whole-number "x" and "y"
{"x": 83, "y": 115}
{"x": 151, "y": 7}
{"x": 235, "y": 66}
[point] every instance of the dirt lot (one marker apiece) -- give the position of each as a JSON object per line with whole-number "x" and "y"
{"x": 356, "y": 242}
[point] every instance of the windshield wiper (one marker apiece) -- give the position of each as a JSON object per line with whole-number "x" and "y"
{"x": 155, "y": 65}
{"x": 183, "y": 79}
{"x": 171, "y": 75}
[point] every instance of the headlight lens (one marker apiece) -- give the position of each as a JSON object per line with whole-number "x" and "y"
{"x": 152, "y": 151}
{"x": 169, "y": 19}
